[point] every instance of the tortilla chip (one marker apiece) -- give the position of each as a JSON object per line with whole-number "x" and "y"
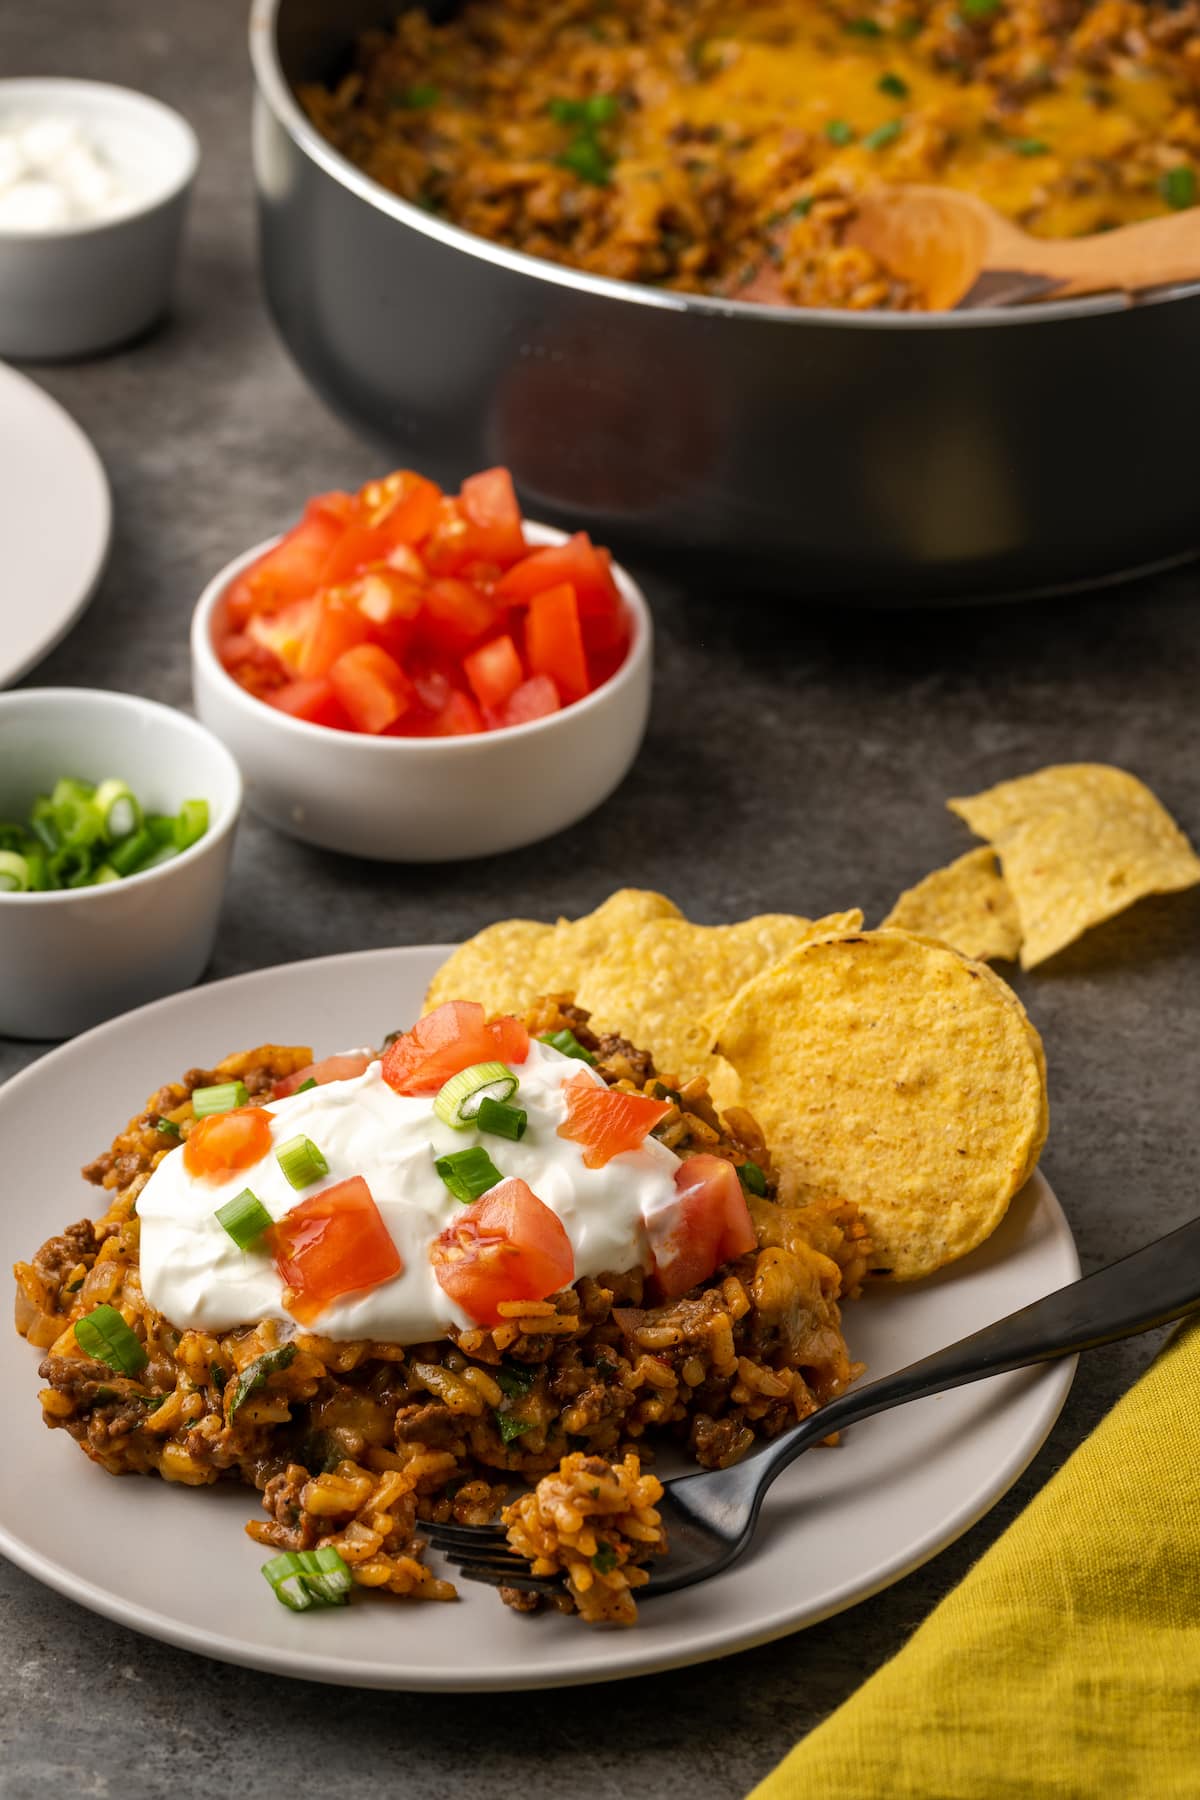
{"x": 499, "y": 967}
{"x": 893, "y": 1072}
{"x": 1079, "y": 842}
{"x": 967, "y": 905}
{"x": 513, "y": 962}
{"x": 1013, "y": 999}
{"x": 664, "y": 984}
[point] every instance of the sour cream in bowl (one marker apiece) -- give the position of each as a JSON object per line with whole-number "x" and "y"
{"x": 94, "y": 185}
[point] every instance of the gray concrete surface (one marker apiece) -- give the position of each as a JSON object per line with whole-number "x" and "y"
{"x": 797, "y": 764}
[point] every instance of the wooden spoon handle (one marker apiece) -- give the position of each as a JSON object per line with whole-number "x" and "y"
{"x": 1152, "y": 254}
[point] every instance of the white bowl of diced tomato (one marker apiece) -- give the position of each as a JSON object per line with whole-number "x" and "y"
{"x": 420, "y": 677}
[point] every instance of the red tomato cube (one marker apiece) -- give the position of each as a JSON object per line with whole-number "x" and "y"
{"x": 455, "y": 615}
{"x": 536, "y": 698}
{"x": 554, "y": 640}
{"x": 494, "y": 671}
{"x": 460, "y": 717}
{"x": 489, "y": 505}
{"x": 314, "y": 701}
{"x": 372, "y": 687}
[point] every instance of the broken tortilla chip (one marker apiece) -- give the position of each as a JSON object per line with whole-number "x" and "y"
{"x": 967, "y": 905}
{"x": 1078, "y": 842}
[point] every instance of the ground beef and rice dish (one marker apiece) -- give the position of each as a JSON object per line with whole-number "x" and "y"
{"x": 716, "y": 147}
{"x": 352, "y": 1444}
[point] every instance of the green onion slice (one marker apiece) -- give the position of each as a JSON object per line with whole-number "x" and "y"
{"x": 301, "y": 1161}
{"x": 220, "y": 1099}
{"x": 459, "y": 1099}
{"x": 133, "y": 853}
{"x": 567, "y": 1044}
{"x": 753, "y": 1179}
{"x": 168, "y": 1128}
{"x": 468, "y": 1173}
{"x": 191, "y": 823}
{"x": 305, "y": 1085}
{"x": 106, "y": 1338}
{"x": 14, "y": 873}
{"x": 883, "y": 135}
{"x": 254, "y": 1375}
{"x": 118, "y": 806}
{"x": 305, "y": 1578}
{"x": 501, "y": 1120}
{"x": 245, "y": 1218}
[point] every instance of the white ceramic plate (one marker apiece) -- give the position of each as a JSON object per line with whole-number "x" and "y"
{"x": 55, "y": 523}
{"x": 838, "y": 1526}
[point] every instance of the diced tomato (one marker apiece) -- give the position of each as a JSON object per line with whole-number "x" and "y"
{"x": 291, "y": 570}
{"x": 404, "y": 505}
{"x": 577, "y": 561}
{"x": 217, "y": 1147}
{"x": 330, "y": 1068}
{"x": 494, "y": 670}
{"x": 460, "y": 717}
{"x": 602, "y": 612}
{"x": 372, "y": 687}
{"x": 536, "y": 698}
{"x": 605, "y": 1121}
{"x": 489, "y": 505}
{"x": 450, "y": 1038}
{"x": 554, "y": 641}
{"x": 454, "y": 615}
{"x": 481, "y": 632}
{"x": 390, "y": 603}
{"x": 252, "y": 666}
{"x": 284, "y": 634}
{"x": 337, "y": 626}
{"x": 331, "y": 1244}
{"x": 356, "y": 548}
{"x": 507, "y": 1246}
{"x": 313, "y": 701}
{"x": 708, "y": 1224}
{"x": 448, "y": 547}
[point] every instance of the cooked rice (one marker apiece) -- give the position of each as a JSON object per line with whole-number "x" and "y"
{"x": 354, "y": 1443}
{"x": 733, "y": 135}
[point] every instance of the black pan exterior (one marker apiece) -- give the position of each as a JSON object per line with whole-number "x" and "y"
{"x": 893, "y": 459}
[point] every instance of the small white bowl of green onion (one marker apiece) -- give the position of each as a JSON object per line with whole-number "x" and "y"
{"x": 116, "y": 826}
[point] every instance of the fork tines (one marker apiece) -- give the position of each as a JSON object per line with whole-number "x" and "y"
{"x": 480, "y": 1553}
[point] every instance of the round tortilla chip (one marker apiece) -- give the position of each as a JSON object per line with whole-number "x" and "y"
{"x": 893, "y": 1072}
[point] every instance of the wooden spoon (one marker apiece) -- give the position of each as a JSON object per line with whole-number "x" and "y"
{"x": 957, "y": 251}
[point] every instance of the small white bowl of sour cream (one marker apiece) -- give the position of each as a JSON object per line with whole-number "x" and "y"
{"x": 94, "y": 185}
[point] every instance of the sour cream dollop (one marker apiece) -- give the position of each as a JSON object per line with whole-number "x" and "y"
{"x": 53, "y": 174}
{"x": 195, "y": 1275}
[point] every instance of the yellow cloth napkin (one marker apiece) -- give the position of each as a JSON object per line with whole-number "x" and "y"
{"x": 1067, "y": 1663}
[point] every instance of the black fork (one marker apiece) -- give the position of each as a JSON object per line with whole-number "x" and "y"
{"x": 710, "y": 1517}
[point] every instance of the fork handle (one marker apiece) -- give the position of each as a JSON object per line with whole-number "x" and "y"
{"x": 1151, "y": 1287}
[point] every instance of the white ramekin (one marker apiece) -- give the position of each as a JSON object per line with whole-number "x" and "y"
{"x": 419, "y": 800}
{"x": 70, "y": 959}
{"x": 80, "y": 289}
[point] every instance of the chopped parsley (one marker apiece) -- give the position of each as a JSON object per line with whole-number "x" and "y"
{"x": 585, "y": 155}
{"x": 1178, "y": 187}
{"x": 895, "y": 85}
{"x": 255, "y": 1374}
{"x": 513, "y": 1380}
{"x": 863, "y": 27}
{"x": 416, "y": 98}
{"x": 1029, "y": 146}
{"x": 511, "y": 1427}
{"x": 753, "y": 1179}
{"x": 883, "y": 135}
{"x": 839, "y": 132}
{"x": 605, "y": 1560}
